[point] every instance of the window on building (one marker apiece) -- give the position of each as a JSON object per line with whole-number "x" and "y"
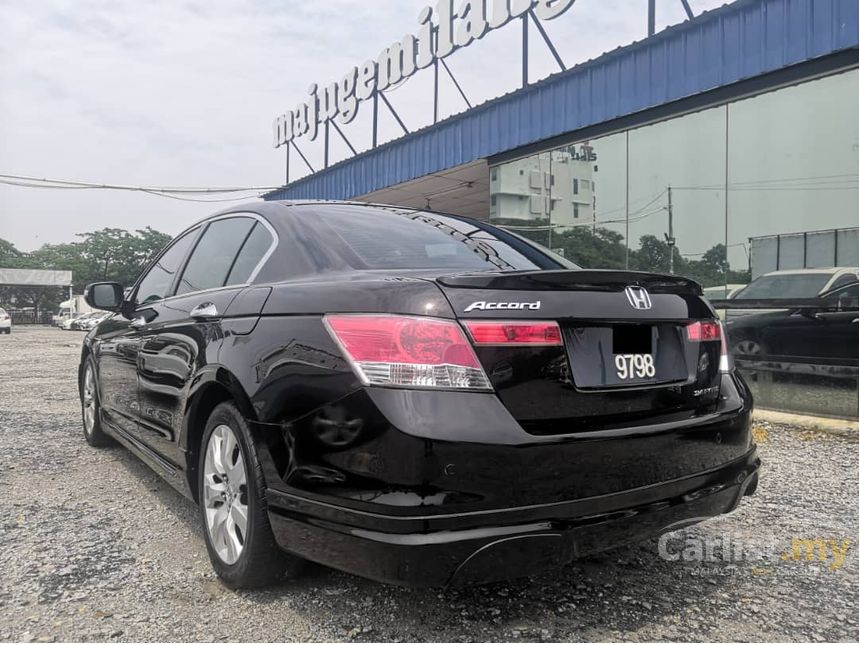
{"x": 576, "y": 186}
{"x": 492, "y": 200}
{"x": 493, "y": 174}
{"x": 575, "y": 210}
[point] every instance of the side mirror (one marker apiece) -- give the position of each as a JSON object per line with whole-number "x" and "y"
{"x": 104, "y": 295}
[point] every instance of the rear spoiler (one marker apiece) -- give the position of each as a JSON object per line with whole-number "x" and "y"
{"x": 573, "y": 280}
{"x": 783, "y": 303}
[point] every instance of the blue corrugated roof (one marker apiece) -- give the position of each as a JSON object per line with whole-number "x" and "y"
{"x": 738, "y": 41}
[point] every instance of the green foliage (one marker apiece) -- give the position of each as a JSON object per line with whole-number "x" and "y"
{"x": 602, "y": 248}
{"x": 108, "y": 254}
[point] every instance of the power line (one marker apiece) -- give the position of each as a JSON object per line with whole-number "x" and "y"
{"x": 40, "y": 182}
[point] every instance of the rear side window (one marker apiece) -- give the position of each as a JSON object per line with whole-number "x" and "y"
{"x": 790, "y": 285}
{"x": 253, "y": 250}
{"x": 157, "y": 281}
{"x": 382, "y": 239}
{"x": 214, "y": 254}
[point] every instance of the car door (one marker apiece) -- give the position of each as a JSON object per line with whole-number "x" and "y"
{"x": 812, "y": 335}
{"x": 838, "y": 328}
{"x": 116, "y": 352}
{"x": 185, "y": 334}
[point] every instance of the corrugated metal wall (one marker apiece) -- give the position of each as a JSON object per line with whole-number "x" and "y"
{"x": 739, "y": 41}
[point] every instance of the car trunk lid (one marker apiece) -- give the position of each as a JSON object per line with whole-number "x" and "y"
{"x": 627, "y": 355}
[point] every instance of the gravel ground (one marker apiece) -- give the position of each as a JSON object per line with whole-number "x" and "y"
{"x": 94, "y": 546}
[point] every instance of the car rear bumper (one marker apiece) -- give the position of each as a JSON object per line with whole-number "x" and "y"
{"x": 475, "y": 547}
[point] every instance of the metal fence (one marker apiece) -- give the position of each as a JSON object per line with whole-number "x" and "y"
{"x": 29, "y": 317}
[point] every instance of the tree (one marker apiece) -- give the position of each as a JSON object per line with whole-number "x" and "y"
{"x": 653, "y": 255}
{"x": 108, "y": 254}
{"x": 601, "y": 248}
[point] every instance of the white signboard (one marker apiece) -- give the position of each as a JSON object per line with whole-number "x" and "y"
{"x": 441, "y": 32}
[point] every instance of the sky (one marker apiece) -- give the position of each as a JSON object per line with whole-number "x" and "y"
{"x": 184, "y": 93}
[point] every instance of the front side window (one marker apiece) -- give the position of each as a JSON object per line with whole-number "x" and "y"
{"x": 156, "y": 283}
{"x": 214, "y": 254}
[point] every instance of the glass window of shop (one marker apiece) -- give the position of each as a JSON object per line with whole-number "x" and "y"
{"x": 727, "y": 196}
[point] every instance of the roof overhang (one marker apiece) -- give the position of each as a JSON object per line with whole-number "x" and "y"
{"x": 743, "y": 40}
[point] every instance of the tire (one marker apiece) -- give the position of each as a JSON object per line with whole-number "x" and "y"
{"x": 748, "y": 347}
{"x": 90, "y": 408}
{"x": 241, "y": 558}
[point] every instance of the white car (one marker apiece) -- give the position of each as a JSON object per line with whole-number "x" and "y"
{"x": 792, "y": 283}
{"x": 66, "y": 323}
{"x": 5, "y": 322}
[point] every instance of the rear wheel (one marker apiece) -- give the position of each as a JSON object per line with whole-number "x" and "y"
{"x": 233, "y": 508}
{"x": 90, "y": 408}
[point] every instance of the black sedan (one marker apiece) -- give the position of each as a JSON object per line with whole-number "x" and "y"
{"x": 418, "y": 398}
{"x": 817, "y": 337}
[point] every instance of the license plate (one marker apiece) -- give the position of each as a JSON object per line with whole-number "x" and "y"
{"x": 634, "y": 366}
{"x": 625, "y": 355}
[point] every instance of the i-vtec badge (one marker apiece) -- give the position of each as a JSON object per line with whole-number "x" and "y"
{"x": 483, "y": 305}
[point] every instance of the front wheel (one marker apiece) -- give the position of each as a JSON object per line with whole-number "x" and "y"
{"x": 233, "y": 508}
{"x": 93, "y": 432}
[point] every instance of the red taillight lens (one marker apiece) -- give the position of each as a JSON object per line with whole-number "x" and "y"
{"x": 712, "y": 330}
{"x": 408, "y": 351}
{"x": 704, "y": 330}
{"x": 490, "y": 332}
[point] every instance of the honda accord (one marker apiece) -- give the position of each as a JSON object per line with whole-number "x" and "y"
{"x": 418, "y": 398}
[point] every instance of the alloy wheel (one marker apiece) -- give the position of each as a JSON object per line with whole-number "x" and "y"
{"x": 225, "y": 494}
{"x": 89, "y": 400}
{"x": 749, "y": 347}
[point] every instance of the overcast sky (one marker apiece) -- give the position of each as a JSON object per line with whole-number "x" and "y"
{"x": 184, "y": 93}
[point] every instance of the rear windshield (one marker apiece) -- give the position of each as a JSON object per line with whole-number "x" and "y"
{"x": 379, "y": 238}
{"x": 793, "y": 285}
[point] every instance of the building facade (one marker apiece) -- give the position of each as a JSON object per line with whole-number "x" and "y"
{"x": 722, "y": 148}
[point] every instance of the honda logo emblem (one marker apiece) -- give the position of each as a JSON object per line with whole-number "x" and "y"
{"x": 638, "y": 297}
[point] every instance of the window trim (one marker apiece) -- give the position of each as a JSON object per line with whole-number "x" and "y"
{"x": 203, "y": 226}
{"x": 191, "y": 230}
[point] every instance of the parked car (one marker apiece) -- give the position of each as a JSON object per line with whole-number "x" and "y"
{"x": 824, "y": 335}
{"x": 418, "y": 398}
{"x": 722, "y": 292}
{"x": 85, "y": 322}
{"x": 66, "y": 323}
{"x": 5, "y": 322}
{"x": 791, "y": 283}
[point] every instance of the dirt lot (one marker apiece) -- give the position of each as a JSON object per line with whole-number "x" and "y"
{"x": 93, "y": 546}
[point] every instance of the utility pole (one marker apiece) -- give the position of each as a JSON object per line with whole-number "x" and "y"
{"x": 670, "y": 238}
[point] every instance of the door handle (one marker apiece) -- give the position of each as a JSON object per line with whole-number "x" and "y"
{"x": 204, "y": 311}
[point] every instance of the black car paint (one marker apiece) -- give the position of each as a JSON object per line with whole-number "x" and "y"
{"x": 423, "y": 487}
{"x": 823, "y": 333}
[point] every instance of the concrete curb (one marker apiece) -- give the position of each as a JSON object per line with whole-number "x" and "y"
{"x": 840, "y": 427}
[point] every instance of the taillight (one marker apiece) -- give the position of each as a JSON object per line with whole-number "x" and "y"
{"x": 712, "y": 330}
{"x": 531, "y": 333}
{"x": 704, "y": 330}
{"x": 408, "y": 351}
{"x": 726, "y": 362}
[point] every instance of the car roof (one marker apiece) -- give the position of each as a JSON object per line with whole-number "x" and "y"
{"x": 811, "y": 271}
